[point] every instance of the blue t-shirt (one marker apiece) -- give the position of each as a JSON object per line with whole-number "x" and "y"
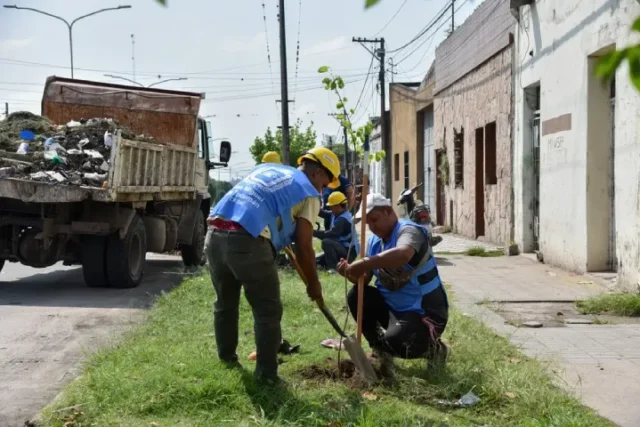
{"x": 344, "y": 184}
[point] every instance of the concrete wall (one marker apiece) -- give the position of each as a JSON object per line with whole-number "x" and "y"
{"x": 481, "y": 97}
{"x": 555, "y": 40}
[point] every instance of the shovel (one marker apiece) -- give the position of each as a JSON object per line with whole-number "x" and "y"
{"x": 353, "y": 347}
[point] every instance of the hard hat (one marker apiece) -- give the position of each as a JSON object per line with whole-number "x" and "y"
{"x": 327, "y": 159}
{"x": 271, "y": 157}
{"x": 336, "y": 198}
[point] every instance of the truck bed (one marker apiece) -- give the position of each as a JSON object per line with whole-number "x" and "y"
{"x": 140, "y": 171}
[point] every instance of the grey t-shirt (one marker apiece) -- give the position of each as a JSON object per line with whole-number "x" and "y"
{"x": 412, "y": 236}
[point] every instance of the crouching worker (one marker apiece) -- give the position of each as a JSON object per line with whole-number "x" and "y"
{"x": 408, "y": 300}
{"x": 339, "y": 237}
{"x": 257, "y": 218}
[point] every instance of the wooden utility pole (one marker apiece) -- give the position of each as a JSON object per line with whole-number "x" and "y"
{"x": 284, "y": 86}
{"x": 6, "y": 110}
{"x": 386, "y": 146}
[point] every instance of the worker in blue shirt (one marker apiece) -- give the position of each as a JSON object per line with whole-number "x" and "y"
{"x": 340, "y": 236}
{"x": 345, "y": 187}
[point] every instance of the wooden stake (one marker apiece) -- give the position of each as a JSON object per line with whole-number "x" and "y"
{"x": 363, "y": 232}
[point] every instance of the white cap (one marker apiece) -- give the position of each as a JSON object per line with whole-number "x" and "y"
{"x": 374, "y": 200}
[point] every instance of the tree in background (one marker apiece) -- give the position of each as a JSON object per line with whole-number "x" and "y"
{"x": 217, "y": 189}
{"x": 300, "y": 140}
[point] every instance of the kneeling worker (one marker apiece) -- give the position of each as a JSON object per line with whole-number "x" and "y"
{"x": 257, "y": 218}
{"x": 408, "y": 300}
{"x": 337, "y": 239}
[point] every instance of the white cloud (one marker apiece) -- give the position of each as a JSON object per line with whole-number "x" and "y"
{"x": 326, "y": 46}
{"x": 12, "y": 45}
{"x": 236, "y": 46}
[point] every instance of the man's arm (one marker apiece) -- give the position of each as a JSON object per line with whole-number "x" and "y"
{"x": 307, "y": 258}
{"x": 351, "y": 197}
{"x": 341, "y": 227}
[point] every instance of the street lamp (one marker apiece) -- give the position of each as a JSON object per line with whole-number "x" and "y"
{"x": 69, "y": 25}
{"x": 140, "y": 84}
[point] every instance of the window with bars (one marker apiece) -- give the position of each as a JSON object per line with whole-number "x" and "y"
{"x": 490, "y": 161}
{"x": 458, "y": 157}
{"x": 396, "y": 167}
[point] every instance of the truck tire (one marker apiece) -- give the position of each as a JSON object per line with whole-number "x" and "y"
{"x": 93, "y": 261}
{"x": 193, "y": 254}
{"x": 126, "y": 257}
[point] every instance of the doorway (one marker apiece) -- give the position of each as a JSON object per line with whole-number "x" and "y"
{"x": 613, "y": 255}
{"x": 440, "y": 193}
{"x": 479, "y": 182}
{"x": 535, "y": 199}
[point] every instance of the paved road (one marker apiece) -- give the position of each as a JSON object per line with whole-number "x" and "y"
{"x": 51, "y": 321}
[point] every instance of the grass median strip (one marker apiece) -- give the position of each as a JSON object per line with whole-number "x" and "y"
{"x": 619, "y": 304}
{"x": 165, "y": 373}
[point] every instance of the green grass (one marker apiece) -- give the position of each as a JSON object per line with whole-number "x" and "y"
{"x": 620, "y": 304}
{"x": 165, "y": 373}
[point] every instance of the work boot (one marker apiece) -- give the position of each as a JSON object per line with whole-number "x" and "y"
{"x": 385, "y": 360}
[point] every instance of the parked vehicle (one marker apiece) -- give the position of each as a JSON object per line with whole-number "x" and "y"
{"x": 155, "y": 197}
{"x": 418, "y": 212}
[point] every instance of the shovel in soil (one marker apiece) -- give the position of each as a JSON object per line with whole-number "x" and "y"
{"x": 353, "y": 347}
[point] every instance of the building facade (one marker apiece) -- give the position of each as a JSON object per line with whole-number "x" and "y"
{"x": 577, "y": 139}
{"x": 411, "y": 117}
{"x": 473, "y": 125}
{"x": 377, "y": 170}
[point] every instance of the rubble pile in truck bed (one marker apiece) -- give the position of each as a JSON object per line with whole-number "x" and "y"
{"x": 32, "y": 147}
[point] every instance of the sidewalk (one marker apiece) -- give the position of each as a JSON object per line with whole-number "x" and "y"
{"x": 599, "y": 363}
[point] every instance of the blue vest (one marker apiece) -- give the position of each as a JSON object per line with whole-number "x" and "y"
{"x": 424, "y": 280}
{"x": 268, "y": 192}
{"x": 352, "y": 236}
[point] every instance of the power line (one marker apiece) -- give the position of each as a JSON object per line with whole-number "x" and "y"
{"x": 266, "y": 36}
{"x": 364, "y": 85}
{"x": 392, "y": 18}
{"x": 425, "y": 29}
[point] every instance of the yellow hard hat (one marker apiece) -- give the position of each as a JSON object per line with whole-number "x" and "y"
{"x": 336, "y": 198}
{"x": 271, "y": 157}
{"x": 326, "y": 158}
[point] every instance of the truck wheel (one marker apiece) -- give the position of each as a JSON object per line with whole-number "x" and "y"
{"x": 193, "y": 254}
{"x": 93, "y": 261}
{"x": 126, "y": 257}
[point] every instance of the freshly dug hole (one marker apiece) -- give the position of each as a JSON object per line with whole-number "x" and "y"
{"x": 329, "y": 369}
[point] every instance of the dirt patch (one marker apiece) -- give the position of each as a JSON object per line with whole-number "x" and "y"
{"x": 345, "y": 371}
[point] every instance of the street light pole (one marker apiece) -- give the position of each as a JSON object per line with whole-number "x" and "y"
{"x": 69, "y": 24}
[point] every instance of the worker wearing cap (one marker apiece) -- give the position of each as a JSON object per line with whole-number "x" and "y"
{"x": 271, "y": 157}
{"x": 408, "y": 300}
{"x": 340, "y": 235}
{"x": 271, "y": 207}
{"x": 344, "y": 186}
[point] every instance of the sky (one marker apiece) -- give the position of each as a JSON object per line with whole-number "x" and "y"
{"x": 222, "y": 49}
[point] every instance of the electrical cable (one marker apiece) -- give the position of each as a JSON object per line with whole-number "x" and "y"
{"x": 295, "y": 84}
{"x": 424, "y": 30}
{"x": 266, "y": 36}
{"x": 392, "y": 18}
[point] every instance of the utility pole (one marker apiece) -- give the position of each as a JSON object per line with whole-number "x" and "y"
{"x": 386, "y": 146}
{"x": 133, "y": 55}
{"x": 453, "y": 14}
{"x": 283, "y": 84}
{"x": 392, "y": 68}
{"x": 6, "y": 110}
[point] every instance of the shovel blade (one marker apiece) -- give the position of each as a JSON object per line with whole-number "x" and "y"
{"x": 359, "y": 359}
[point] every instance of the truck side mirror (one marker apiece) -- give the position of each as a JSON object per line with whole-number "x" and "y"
{"x": 225, "y": 151}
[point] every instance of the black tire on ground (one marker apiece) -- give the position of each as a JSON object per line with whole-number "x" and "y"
{"x": 126, "y": 257}
{"x": 93, "y": 261}
{"x": 193, "y": 254}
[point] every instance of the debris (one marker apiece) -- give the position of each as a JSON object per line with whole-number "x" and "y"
{"x": 287, "y": 349}
{"x": 253, "y": 356}
{"x": 79, "y": 150}
{"x": 551, "y": 273}
{"x": 23, "y": 148}
{"x": 469, "y": 399}
{"x": 578, "y": 322}
{"x": 532, "y": 324}
{"x": 369, "y": 396}
{"x": 514, "y": 360}
{"x": 510, "y": 395}
{"x": 331, "y": 343}
{"x": 585, "y": 282}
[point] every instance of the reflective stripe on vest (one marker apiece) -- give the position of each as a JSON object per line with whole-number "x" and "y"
{"x": 268, "y": 192}
{"x": 423, "y": 281}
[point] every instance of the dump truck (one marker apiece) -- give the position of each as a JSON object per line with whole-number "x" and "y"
{"x": 154, "y": 199}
